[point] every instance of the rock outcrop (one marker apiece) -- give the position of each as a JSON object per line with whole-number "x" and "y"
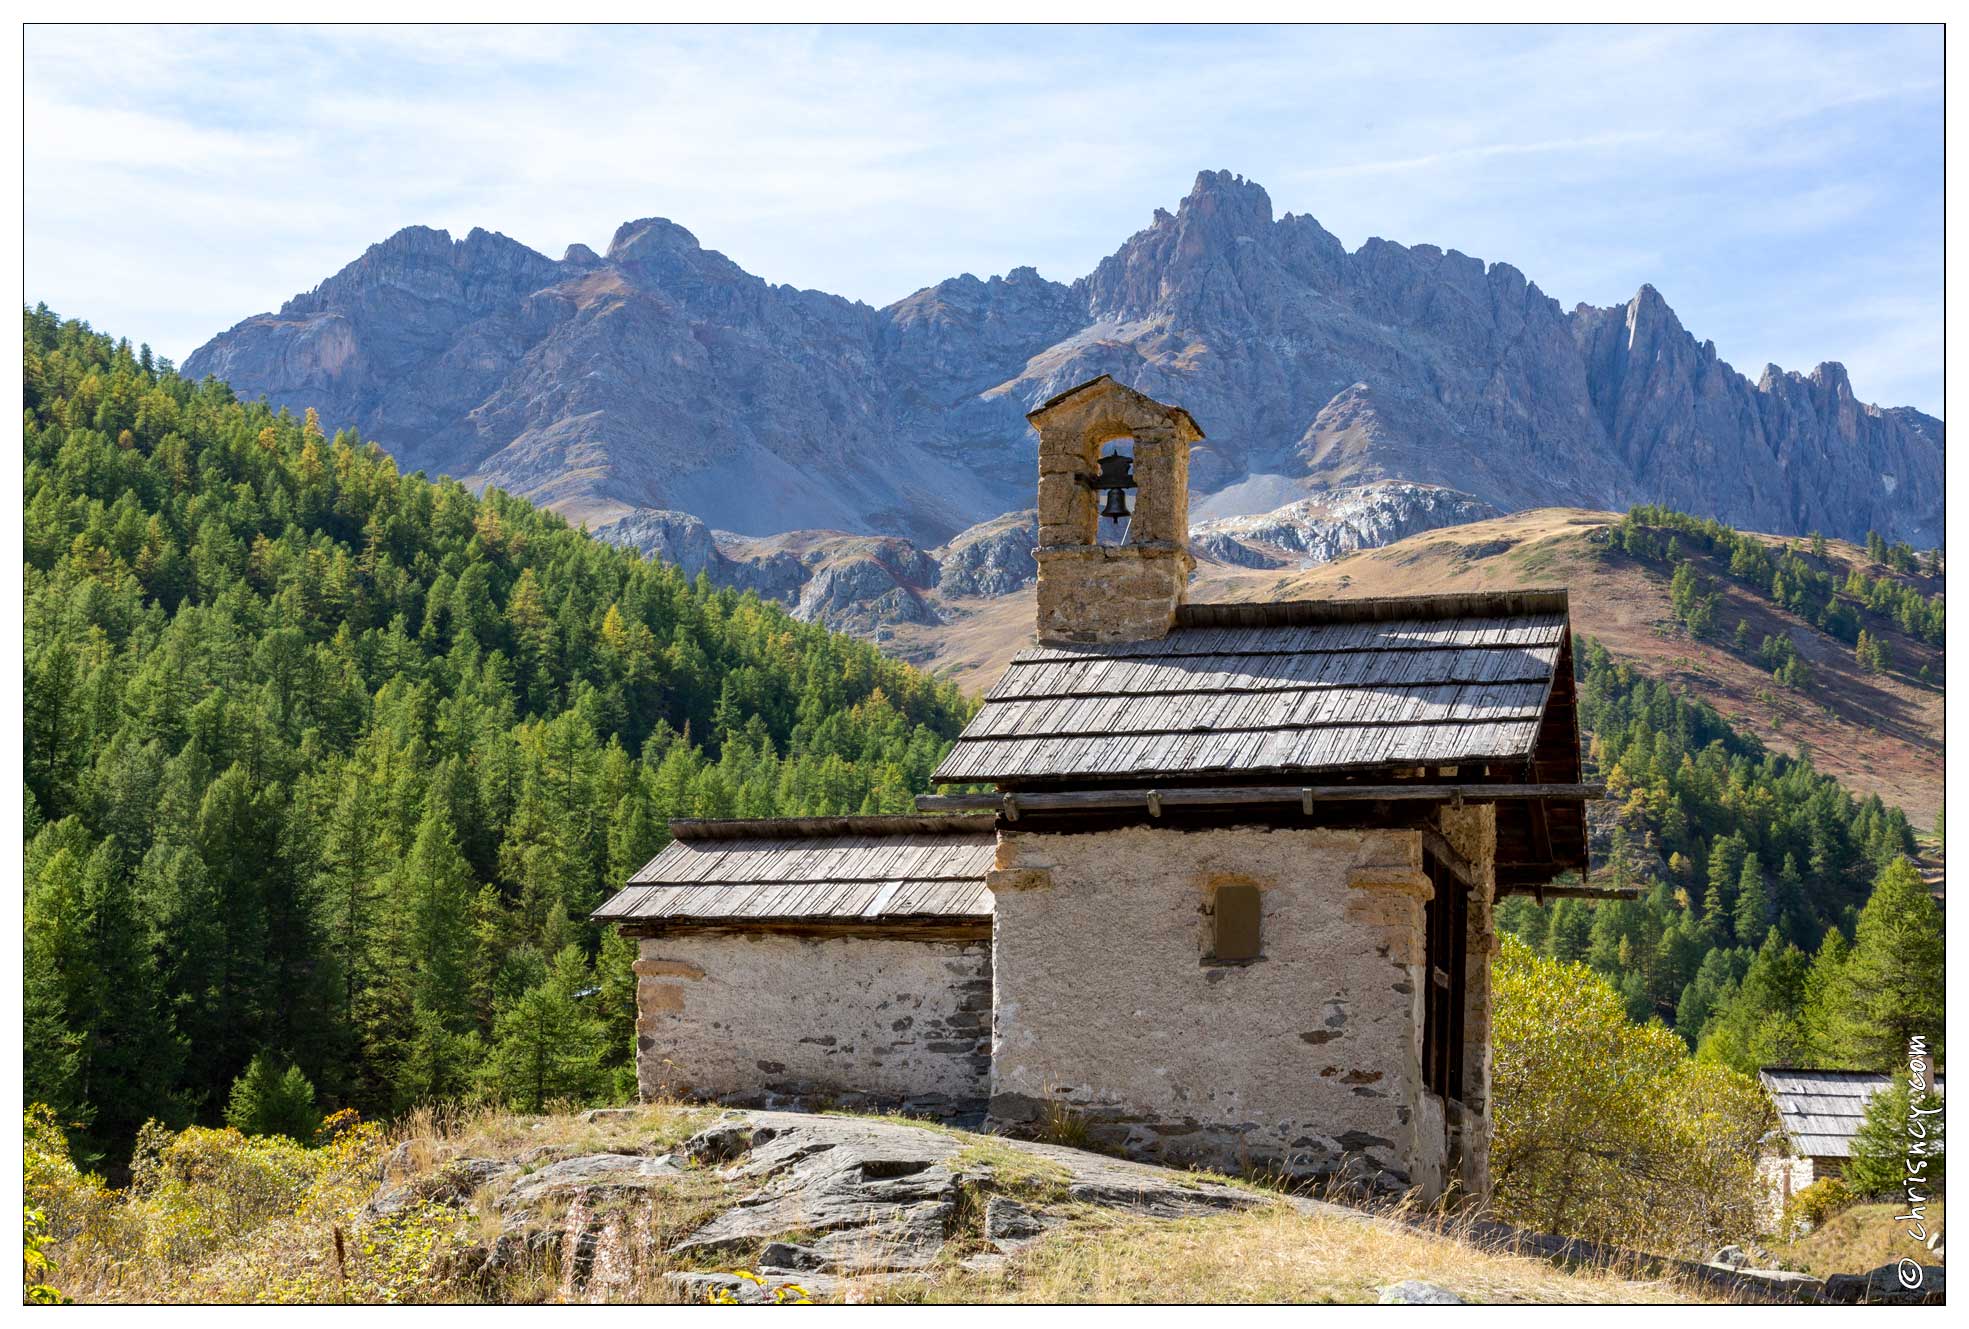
{"x": 660, "y": 375}
{"x": 868, "y": 585}
{"x": 991, "y": 558}
{"x": 815, "y": 1200}
{"x": 860, "y": 584}
{"x": 821, "y": 1205}
{"x": 1327, "y": 526}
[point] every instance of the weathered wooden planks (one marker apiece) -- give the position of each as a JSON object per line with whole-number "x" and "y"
{"x": 835, "y": 868}
{"x": 1296, "y": 687}
{"x": 1822, "y": 1110}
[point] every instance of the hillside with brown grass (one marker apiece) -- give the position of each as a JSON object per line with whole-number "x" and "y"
{"x": 1877, "y": 733}
{"x": 673, "y": 1203}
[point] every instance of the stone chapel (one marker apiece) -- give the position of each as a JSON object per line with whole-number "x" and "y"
{"x": 1224, "y": 899}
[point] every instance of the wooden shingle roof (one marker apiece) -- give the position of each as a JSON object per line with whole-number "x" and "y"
{"x": 1279, "y": 690}
{"x": 1821, "y": 1110}
{"x": 867, "y": 869}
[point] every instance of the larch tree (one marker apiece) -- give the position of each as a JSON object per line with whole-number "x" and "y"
{"x": 1890, "y": 988}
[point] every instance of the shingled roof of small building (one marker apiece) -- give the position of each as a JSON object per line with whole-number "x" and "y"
{"x": 1822, "y": 1110}
{"x": 1287, "y": 689}
{"x": 813, "y": 869}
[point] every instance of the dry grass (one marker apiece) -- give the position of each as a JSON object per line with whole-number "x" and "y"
{"x": 1014, "y": 1172}
{"x": 432, "y": 1137}
{"x": 1857, "y": 1240}
{"x": 1271, "y": 1255}
{"x": 241, "y": 1221}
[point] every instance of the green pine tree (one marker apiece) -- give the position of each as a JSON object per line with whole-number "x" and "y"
{"x": 547, "y": 1047}
{"x": 1753, "y": 903}
{"x": 1900, "y": 1144}
{"x": 1890, "y": 988}
{"x": 1820, "y": 994}
{"x": 271, "y": 1099}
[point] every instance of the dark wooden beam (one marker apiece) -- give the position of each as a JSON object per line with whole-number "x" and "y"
{"x": 1436, "y": 843}
{"x": 1544, "y": 892}
{"x": 913, "y": 929}
{"x": 1541, "y": 830}
{"x": 1012, "y": 803}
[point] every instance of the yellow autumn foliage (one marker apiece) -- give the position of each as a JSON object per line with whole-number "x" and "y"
{"x": 216, "y": 1216}
{"x": 1610, "y": 1130}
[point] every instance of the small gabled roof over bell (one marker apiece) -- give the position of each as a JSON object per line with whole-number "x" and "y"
{"x": 1080, "y": 397}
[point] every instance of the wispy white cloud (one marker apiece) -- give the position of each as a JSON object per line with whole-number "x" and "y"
{"x": 180, "y": 178}
{"x": 1483, "y": 152}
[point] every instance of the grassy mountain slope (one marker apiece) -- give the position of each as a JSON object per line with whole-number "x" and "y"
{"x": 1876, "y": 732}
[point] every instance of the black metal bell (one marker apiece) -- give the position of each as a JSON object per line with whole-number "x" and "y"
{"x": 1117, "y": 472}
{"x": 1116, "y": 508}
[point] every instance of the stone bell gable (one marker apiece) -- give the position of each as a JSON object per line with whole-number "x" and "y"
{"x": 1126, "y": 590}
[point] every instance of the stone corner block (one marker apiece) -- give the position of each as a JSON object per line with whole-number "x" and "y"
{"x": 652, "y": 968}
{"x": 1398, "y": 879}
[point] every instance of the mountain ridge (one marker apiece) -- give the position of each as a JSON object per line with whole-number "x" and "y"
{"x": 661, "y": 375}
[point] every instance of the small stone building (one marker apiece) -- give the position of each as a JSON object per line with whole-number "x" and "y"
{"x": 1240, "y": 873}
{"x": 840, "y": 960}
{"x": 1819, "y": 1113}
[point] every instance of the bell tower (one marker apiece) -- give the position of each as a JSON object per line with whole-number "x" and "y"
{"x": 1128, "y": 587}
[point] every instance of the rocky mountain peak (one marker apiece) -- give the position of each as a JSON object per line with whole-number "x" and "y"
{"x": 1206, "y": 262}
{"x": 647, "y": 236}
{"x": 1649, "y": 318}
{"x": 1227, "y": 203}
{"x": 423, "y": 268}
{"x": 662, "y": 376}
{"x": 1831, "y": 376}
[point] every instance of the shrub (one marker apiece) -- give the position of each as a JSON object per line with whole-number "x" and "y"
{"x": 1814, "y": 1204}
{"x": 1607, "y": 1129}
{"x": 36, "y": 1267}
{"x": 214, "y": 1215}
{"x": 70, "y": 1202}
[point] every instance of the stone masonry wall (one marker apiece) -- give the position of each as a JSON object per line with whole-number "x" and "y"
{"x": 1097, "y": 593}
{"x": 1307, "y": 1060}
{"x": 1088, "y": 592}
{"x": 772, "y": 1019}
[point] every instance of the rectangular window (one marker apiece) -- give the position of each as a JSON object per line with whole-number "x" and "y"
{"x": 1234, "y": 924}
{"x": 1446, "y": 921}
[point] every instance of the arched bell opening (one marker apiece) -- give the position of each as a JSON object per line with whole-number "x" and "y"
{"x": 1114, "y": 486}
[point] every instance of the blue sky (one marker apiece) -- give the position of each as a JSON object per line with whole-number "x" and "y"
{"x": 1781, "y": 187}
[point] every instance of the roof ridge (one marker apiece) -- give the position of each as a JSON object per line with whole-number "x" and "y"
{"x": 1368, "y": 609}
{"x": 792, "y": 828}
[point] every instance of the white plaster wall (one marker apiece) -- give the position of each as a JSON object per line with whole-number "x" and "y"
{"x": 1783, "y": 1177}
{"x": 761, "y": 1017}
{"x": 1307, "y": 1060}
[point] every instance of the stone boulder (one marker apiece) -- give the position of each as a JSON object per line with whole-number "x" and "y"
{"x": 590, "y": 1175}
{"x": 1414, "y": 1292}
{"x": 1902, "y": 1284}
